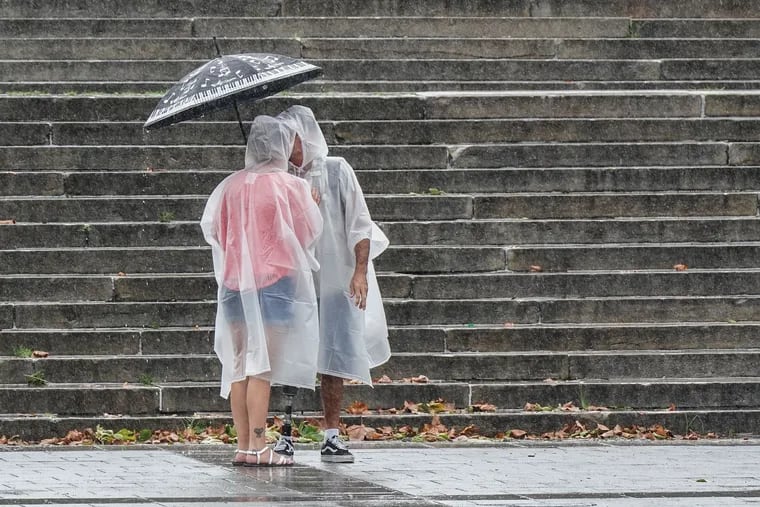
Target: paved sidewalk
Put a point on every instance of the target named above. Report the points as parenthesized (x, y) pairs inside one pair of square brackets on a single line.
[(563, 474)]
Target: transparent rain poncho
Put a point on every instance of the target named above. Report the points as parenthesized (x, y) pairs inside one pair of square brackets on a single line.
[(352, 341), (262, 224)]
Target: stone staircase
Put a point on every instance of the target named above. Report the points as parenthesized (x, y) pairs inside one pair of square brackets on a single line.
[(540, 168)]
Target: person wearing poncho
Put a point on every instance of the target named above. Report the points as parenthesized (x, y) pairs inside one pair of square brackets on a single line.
[(353, 330), (262, 224)]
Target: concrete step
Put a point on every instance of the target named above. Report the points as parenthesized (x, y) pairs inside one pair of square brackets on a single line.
[(159, 87), (138, 8), (128, 341), (103, 107), (400, 69), (111, 261), (555, 179), (550, 232), (521, 8), (695, 28), (439, 156), (407, 339), (536, 366), (371, 48), (726, 423), (371, 132), (113, 369), (183, 398), (404, 312), (579, 365), (432, 233), (375, 26), (593, 310), (701, 256), (391, 207), (407, 69), (192, 287), (569, 337)]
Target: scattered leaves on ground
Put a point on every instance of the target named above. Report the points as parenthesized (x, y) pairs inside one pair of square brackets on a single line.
[(40, 353)]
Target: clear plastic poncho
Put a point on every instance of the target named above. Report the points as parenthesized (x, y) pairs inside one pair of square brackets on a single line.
[(262, 224), (352, 341)]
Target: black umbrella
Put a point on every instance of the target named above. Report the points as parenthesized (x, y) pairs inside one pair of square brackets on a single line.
[(227, 80)]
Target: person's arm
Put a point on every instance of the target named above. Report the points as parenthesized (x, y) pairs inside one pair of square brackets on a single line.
[(358, 286)]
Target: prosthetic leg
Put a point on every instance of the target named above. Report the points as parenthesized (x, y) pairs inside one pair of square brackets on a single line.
[(284, 446)]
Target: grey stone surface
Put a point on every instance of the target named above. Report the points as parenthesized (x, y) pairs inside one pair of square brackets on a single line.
[(578, 257), (696, 28), (571, 285), (592, 154), (81, 399), (590, 337), (559, 179), (555, 473), (611, 206), (115, 369), (684, 394), (627, 231), (419, 26), (109, 261)]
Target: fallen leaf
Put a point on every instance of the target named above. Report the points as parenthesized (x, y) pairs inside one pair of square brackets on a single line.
[(410, 407), (419, 379), (535, 268), (672, 407), (40, 353), (482, 407), (121, 273), (385, 379), (569, 407), (509, 325), (357, 408), (354, 381), (680, 267), (7, 222), (515, 433), (357, 432)]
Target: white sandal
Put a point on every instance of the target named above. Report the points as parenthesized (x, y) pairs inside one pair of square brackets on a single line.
[(281, 461), (241, 462)]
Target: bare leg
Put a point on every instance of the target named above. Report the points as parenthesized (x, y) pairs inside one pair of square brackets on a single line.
[(258, 408), (240, 412), (331, 389)]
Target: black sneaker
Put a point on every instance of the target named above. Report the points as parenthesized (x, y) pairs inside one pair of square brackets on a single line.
[(284, 447), (335, 451)]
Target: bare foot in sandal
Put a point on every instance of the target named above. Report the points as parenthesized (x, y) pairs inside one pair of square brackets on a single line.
[(266, 457), (239, 458)]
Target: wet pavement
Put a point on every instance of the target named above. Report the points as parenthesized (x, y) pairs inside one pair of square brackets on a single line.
[(563, 474)]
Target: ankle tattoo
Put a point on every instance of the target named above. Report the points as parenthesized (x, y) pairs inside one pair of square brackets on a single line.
[(259, 432)]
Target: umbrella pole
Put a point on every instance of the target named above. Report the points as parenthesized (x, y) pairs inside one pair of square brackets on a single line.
[(240, 122), (234, 102), (289, 392)]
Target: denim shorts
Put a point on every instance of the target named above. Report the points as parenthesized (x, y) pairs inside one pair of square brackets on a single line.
[(275, 301)]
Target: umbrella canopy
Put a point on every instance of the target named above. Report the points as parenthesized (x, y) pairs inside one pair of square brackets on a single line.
[(226, 80)]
